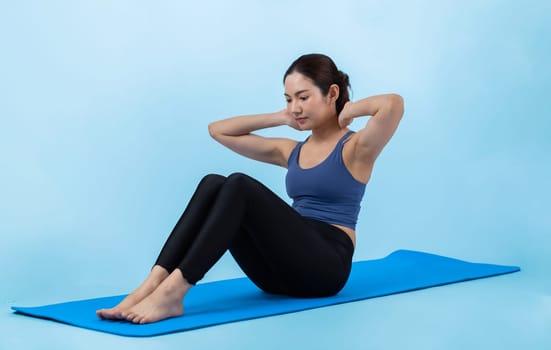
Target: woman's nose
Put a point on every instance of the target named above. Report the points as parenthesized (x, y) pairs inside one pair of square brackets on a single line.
[(295, 108)]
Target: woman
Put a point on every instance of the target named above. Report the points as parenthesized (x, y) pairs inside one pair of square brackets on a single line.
[(303, 250)]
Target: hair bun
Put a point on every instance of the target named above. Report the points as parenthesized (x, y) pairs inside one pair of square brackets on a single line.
[(344, 78)]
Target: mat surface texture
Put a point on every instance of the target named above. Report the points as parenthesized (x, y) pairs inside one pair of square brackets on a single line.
[(238, 299)]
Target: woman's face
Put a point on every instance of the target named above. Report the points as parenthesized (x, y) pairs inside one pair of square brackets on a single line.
[(306, 102)]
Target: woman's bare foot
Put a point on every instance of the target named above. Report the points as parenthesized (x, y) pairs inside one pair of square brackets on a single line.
[(165, 302), (158, 274)]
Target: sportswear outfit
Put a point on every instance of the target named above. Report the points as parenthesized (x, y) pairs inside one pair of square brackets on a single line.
[(283, 249)]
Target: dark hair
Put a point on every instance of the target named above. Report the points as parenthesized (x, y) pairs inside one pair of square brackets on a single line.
[(323, 72)]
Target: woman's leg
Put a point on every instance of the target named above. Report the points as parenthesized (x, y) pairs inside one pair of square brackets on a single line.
[(285, 253), (316, 268), (292, 251), (308, 261), (175, 247), (190, 223)]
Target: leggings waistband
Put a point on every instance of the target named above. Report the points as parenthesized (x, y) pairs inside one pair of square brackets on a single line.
[(333, 233)]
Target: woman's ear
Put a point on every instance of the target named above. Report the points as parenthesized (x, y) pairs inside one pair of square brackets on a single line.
[(333, 93)]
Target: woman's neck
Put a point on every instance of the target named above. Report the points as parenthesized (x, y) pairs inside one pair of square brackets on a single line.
[(327, 134)]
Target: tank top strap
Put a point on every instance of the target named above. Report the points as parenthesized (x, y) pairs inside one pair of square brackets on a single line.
[(337, 151), (345, 136)]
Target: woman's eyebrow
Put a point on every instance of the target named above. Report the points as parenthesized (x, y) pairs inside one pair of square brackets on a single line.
[(297, 93)]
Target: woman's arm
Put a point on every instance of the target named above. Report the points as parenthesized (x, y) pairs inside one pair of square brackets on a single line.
[(236, 134), (386, 112)]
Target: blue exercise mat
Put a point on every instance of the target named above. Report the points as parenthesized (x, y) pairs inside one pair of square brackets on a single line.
[(232, 300)]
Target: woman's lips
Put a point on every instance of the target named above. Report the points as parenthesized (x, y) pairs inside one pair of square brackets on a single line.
[(301, 120)]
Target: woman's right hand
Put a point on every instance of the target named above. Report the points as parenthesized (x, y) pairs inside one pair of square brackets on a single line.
[(236, 133), (289, 119)]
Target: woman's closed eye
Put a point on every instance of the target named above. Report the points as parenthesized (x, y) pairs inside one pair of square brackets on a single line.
[(302, 98)]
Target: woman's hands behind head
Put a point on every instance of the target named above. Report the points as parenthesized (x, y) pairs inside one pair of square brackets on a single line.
[(346, 116)]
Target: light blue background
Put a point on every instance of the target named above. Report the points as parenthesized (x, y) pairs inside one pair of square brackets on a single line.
[(104, 107)]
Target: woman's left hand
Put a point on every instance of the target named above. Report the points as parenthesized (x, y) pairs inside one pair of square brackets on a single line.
[(346, 116)]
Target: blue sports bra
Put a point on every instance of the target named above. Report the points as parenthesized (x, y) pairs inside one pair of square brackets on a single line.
[(327, 191)]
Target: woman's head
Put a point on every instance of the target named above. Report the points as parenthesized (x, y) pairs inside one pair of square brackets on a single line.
[(323, 72)]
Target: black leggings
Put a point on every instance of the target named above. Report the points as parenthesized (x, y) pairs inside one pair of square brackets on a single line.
[(281, 251)]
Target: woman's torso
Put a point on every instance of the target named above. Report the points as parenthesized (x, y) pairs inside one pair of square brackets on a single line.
[(311, 155)]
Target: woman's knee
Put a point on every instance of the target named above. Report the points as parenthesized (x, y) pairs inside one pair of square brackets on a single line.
[(212, 180), (240, 180)]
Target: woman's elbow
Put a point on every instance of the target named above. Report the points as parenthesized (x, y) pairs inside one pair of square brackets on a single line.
[(213, 130), (396, 104), (396, 100)]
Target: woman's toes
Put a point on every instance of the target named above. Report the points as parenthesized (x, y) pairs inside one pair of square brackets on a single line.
[(104, 314)]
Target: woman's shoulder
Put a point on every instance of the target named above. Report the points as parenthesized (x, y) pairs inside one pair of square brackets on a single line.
[(287, 146)]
